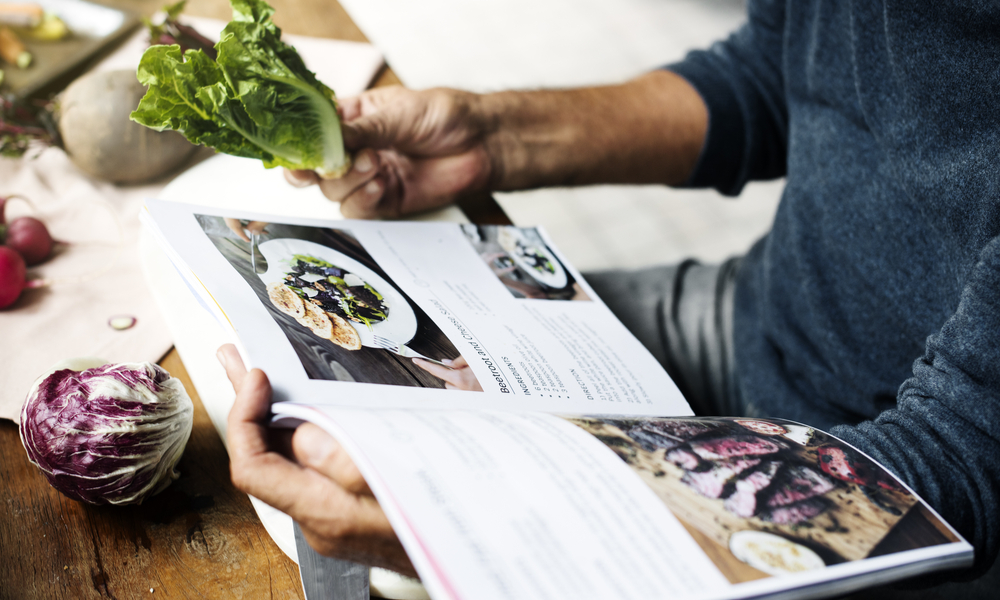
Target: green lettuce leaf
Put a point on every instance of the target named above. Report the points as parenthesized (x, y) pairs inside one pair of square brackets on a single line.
[(257, 99)]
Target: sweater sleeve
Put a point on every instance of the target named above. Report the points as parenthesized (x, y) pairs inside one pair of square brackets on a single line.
[(943, 437), (740, 79)]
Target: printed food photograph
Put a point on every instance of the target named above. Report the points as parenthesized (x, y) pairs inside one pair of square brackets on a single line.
[(768, 497), (343, 316), (523, 262)]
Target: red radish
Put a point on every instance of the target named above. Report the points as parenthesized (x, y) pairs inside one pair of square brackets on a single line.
[(26, 241), (27, 235), (12, 271), (30, 237)]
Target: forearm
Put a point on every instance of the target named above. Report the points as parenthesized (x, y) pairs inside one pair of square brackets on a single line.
[(648, 130)]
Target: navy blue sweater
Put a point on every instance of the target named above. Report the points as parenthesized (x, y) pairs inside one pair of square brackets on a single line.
[(875, 300)]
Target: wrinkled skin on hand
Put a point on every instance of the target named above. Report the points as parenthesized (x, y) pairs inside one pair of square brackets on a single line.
[(306, 475), (418, 150), (422, 154)]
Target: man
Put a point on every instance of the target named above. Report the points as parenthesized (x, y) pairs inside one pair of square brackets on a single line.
[(871, 307)]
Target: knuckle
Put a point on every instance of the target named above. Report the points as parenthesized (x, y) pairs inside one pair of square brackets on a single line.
[(378, 129), (350, 210), (327, 536), (338, 529), (355, 482), (334, 189), (323, 545)]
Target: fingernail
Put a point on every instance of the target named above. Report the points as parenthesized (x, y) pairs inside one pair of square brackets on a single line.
[(372, 188), (221, 356), (364, 163), (295, 180)]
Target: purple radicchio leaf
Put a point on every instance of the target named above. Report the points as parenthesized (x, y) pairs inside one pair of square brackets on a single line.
[(110, 434)]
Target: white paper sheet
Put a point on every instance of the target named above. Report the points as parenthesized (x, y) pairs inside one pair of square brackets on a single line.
[(501, 506)]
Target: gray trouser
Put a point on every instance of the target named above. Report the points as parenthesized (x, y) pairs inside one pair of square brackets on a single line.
[(684, 315)]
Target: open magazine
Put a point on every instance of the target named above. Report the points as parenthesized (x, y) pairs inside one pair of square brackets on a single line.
[(521, 441)]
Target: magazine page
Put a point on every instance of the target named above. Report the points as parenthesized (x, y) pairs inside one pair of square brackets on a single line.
[(403, 314), (513, 505)]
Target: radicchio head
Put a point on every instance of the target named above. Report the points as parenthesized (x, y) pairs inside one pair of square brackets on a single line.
[(108, 434)]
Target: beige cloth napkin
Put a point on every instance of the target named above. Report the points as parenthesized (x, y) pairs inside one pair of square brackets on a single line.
[(70, 318)]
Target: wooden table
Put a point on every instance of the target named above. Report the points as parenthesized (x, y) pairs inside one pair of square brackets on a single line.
[(198, 539)]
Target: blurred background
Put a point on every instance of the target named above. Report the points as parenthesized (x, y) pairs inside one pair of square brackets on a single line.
[(486, 45)]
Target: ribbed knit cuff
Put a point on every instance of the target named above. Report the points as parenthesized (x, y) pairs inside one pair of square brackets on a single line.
[(721, 157)]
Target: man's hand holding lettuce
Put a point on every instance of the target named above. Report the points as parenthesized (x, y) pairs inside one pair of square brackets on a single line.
[(256, 100)]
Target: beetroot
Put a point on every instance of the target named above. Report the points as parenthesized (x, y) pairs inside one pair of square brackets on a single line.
[(12, 272), (30, 238)]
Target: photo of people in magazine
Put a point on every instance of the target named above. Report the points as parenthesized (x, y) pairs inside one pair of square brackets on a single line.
[(522, 261), (770, 497), (345, 318)]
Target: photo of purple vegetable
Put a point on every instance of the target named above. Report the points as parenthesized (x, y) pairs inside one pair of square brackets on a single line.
[(110, 434)]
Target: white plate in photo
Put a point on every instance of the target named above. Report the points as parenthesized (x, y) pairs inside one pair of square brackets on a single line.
[(773, 554), (525, 249), (401, 323)]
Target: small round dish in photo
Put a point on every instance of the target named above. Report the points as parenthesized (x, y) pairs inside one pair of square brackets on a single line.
[(529, 252), (773, 554), (762, 427)]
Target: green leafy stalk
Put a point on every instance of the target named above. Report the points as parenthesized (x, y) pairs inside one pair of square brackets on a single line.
[(257, 99)]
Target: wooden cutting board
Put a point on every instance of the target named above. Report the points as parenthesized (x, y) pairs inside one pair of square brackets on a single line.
[(92, 28)]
